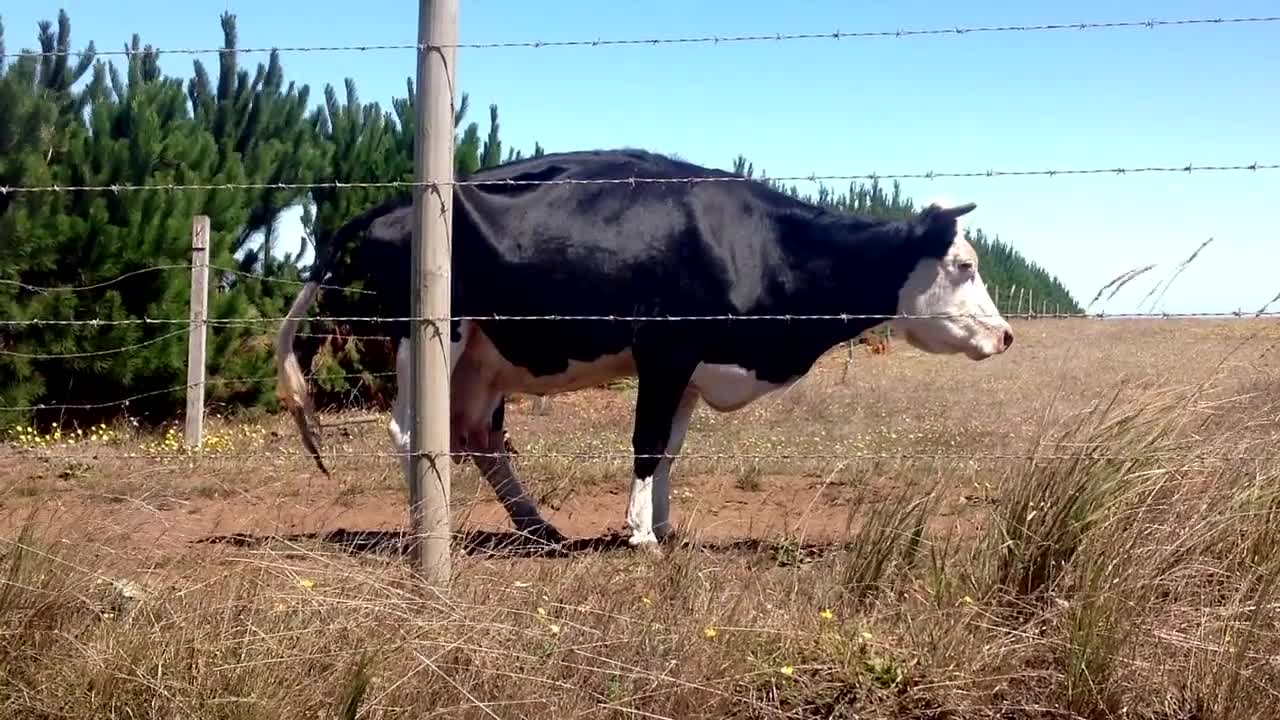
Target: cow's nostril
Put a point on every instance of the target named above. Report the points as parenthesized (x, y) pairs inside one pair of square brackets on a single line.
[(1008, 339)]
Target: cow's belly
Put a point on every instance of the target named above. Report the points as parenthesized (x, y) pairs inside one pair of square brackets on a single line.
[(501, 375), (728, 387)]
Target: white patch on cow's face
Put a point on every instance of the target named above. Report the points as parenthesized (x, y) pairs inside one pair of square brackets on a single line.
[(951, 287)]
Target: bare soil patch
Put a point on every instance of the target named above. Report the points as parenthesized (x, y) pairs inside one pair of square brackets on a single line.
[(924, 537)]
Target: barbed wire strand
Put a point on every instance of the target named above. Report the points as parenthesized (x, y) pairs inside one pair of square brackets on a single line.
[(93, 353), (1148, 23), (289, 281), (47, 289), (627, 456), (249, 321), (1031, 314), (94, 286), (215, 382), (390, 184)]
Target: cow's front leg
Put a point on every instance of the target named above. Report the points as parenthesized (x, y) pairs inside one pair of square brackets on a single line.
[(659, 396)]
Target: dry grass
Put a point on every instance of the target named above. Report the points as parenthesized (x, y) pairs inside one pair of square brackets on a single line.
[(1127, 566)]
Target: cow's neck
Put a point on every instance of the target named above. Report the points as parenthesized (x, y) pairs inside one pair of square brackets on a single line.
[(845, 265)]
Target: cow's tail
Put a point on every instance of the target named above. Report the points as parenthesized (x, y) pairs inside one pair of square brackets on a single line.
[(291, 385)]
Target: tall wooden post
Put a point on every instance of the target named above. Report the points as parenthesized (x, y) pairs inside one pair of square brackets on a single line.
[(432, 307), (197, 325)]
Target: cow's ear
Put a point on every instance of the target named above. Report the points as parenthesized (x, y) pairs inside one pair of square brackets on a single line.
[(937, 226)]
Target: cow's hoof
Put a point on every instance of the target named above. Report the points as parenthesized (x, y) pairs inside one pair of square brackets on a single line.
[(647, 543), (545, 534)]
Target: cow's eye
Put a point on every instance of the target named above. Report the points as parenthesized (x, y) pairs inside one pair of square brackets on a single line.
[(966, 266)]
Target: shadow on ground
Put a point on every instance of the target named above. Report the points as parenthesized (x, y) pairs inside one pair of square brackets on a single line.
[(515, 545)]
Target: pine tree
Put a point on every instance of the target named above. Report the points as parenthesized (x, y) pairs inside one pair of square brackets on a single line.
[(123, 128), (261, 125), (491, 154)]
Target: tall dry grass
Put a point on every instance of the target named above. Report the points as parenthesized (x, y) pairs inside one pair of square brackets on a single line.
[(1128, 568)]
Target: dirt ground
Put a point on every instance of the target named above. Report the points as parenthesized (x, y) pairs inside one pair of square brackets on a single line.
[(916, 537), (739, 477)]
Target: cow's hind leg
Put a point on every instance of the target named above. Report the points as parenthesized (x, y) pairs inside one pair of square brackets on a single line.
[(662, 475), (494, 464), (401, 426), (660, 394)]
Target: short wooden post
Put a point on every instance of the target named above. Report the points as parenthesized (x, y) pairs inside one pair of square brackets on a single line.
[(432, 282), (197, 330)]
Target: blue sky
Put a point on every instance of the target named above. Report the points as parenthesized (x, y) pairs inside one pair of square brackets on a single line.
[(1035, 100)]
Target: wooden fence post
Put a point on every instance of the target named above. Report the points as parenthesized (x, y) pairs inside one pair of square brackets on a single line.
[(432, 282), (197, 330)]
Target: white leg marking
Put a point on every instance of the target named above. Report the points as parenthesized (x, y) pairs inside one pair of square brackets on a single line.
[(662, 476), (640, 512)]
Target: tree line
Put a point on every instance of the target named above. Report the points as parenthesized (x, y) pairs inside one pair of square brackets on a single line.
[(68, 118)]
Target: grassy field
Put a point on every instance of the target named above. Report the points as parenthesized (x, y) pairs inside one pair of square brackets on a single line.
[(1086, 527)]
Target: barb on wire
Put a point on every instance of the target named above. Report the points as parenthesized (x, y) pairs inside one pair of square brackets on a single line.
[(387, 184), (94, 353), (216, 382), (1150, 24), (627, 456), (242, 321), (94, 286)]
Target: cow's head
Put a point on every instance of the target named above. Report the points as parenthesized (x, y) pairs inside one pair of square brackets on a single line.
[(947, 303)]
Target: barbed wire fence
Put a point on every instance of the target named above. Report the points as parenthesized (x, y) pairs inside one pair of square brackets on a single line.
[(1015, 303)]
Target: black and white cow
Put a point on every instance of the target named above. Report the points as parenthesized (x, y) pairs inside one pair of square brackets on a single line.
[(649, 249)]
